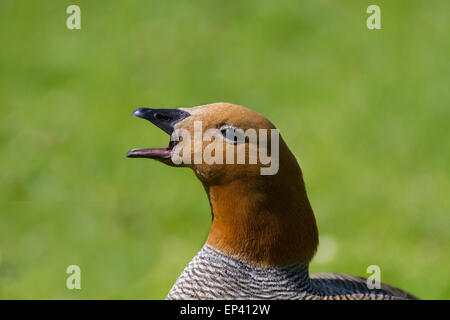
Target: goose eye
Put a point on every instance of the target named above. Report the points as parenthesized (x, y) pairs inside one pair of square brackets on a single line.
[(232, 134)]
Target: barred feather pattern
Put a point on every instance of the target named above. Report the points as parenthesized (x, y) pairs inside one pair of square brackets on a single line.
[(212, 275)]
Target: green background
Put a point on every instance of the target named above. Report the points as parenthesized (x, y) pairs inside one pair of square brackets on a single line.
[(366, 112)]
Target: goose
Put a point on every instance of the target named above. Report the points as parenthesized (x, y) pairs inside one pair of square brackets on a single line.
[(263, 233)]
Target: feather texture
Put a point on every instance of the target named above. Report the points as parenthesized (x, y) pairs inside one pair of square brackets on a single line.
[(213, 275)]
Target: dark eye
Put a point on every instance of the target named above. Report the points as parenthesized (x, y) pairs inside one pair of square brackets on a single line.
[(232, 134)]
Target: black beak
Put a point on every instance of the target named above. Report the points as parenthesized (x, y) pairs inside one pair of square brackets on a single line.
[(164, 119)]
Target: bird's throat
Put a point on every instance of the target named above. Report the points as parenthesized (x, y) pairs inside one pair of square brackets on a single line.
[(266, 221)]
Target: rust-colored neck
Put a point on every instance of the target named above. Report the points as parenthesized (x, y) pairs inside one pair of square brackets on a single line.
[(264, 220)]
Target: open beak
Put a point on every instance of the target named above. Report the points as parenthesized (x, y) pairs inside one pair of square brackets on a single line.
[(164, 119)]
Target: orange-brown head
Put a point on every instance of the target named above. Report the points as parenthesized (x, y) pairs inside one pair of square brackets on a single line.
[(262, 217)]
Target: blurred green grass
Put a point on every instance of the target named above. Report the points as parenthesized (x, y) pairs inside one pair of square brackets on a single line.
[(366, 113)]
